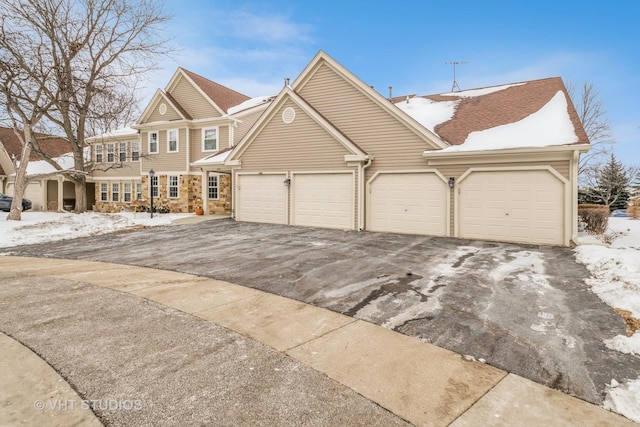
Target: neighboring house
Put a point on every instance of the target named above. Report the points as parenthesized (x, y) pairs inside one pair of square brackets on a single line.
[(498, 163), (47, 190), (184, 135)]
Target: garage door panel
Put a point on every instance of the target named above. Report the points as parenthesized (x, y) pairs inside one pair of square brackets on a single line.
[(408, 203), (323, 200), (262, 198), (519, 206)]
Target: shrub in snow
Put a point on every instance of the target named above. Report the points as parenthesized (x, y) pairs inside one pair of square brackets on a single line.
[(634, 208), (594, 217)]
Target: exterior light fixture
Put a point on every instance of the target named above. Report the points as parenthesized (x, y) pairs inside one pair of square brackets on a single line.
[(287, 182), (452, 182), (152, 174)]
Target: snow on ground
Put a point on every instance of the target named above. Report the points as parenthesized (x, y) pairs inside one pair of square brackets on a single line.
[(615, 270), (40, 227), (615, 278)]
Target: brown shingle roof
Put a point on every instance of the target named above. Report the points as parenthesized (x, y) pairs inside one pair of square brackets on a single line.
[(223, 97), (502, 107), (51, 145)]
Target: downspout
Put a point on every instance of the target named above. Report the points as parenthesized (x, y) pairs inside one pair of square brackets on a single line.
[(361, 202), (574, 198)]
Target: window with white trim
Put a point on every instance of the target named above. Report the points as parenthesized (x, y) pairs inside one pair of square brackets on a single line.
[(126, 192), (115, 191), (104, 192), (154, 186), (173, 186), (111, 153), (172, 141), (153, 142), (213, 187), (98, 150), (138, 190), (210, 139), (122, 151), (135, 151)]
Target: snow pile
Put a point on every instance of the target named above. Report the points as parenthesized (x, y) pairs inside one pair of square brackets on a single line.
[(40, 227), (615, 278), (427, 112), (479, 92), (551, 125)]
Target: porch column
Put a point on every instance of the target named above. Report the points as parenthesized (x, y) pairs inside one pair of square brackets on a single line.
[(60, 194), (205, 192)]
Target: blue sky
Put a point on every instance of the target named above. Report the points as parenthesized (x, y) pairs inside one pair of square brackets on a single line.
[(251, 46)]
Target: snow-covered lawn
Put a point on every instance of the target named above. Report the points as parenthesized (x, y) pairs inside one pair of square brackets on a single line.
[(40, 227), (615, 270), (615, 278)]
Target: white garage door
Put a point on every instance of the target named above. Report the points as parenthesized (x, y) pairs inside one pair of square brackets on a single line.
[(516, 206), (323, 200), (414, 203), (262, 198)]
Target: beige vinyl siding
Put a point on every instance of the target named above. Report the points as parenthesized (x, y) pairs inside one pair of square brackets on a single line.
[(300, 146), (247, 121), (155, 115), (196, 142), (163, 161), (392, 143), (562, 166), (128, 169), (192, 100)]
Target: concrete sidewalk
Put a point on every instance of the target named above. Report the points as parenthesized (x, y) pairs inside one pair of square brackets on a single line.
[(420, 383)]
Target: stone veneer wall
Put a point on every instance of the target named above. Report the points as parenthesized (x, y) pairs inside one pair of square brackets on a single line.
[(189, 196)]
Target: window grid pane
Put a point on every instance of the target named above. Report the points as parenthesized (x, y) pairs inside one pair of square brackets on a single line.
[(123, 151), (115, 192), (172, 137), (126, 192), (104, 189), (111, 155), (99, 154), (213, 187), (173, 186), (210, 139), (135, 151)]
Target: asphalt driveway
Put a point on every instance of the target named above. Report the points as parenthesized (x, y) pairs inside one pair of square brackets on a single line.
[(524, 309)]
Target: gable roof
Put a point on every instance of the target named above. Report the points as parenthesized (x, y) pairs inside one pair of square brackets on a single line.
[(160, 94), (222, 96), (287, 93), (323, 58), (525, 114)]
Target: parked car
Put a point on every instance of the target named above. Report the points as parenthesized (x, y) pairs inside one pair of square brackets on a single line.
[(622, 213), (5, 203)]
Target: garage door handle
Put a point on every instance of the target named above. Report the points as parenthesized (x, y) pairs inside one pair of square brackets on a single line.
[(507, 214)]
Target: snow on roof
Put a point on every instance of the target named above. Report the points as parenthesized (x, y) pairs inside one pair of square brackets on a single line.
[(214, 159), (427, 112), (550, 125), (121, 132), (479, 92), (250, 103), (39, 167)]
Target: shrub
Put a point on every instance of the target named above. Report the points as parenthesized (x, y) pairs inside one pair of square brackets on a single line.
[(594, 217), (634, 208)]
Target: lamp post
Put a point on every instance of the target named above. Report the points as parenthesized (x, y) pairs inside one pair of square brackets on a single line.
[(152, 174)]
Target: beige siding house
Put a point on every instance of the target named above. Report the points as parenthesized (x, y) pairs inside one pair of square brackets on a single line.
[(495, 163), (181, 135)]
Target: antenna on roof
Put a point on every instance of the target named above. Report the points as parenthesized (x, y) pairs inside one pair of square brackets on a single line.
[(455, 86)]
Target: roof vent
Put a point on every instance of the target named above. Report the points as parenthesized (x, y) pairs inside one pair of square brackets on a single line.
[(288, 115)]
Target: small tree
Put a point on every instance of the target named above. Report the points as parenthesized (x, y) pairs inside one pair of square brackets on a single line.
[(612, 185)]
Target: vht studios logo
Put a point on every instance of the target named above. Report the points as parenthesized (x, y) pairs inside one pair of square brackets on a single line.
[(85, 405)]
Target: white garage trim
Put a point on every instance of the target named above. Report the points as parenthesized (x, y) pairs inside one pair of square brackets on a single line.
[(445, 208), (278, 200), (566, 234), (334, 204)]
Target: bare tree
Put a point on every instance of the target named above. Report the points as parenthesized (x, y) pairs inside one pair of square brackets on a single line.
[(24, 103), (90, 56), (593, 117)]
